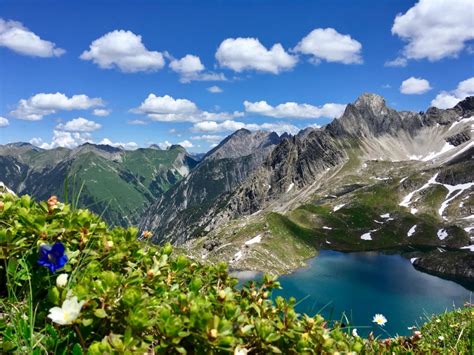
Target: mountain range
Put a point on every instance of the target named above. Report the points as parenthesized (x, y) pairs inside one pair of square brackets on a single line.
[(115, 183), (373, 179)]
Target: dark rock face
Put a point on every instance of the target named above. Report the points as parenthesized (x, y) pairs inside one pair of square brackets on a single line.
[(369, 116), (242, 143), (455, 265), (185, 209), (459, 138)]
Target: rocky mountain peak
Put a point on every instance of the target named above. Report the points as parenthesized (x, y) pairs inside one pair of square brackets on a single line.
[(466, 106), (242, 143), (373, 102)]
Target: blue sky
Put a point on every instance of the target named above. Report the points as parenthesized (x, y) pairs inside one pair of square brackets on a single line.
[(315, 55)]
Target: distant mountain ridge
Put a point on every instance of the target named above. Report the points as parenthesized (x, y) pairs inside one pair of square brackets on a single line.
[(113, 182)]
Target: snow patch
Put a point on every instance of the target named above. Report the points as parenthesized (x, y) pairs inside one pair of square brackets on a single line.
[(366, 236), (328, 228), (402, 180), (412, 260), (254, 240), (338, 207), (451, 189), (407, 199), (469, 247), (411, 231), (328, 242), (290, 187), (442, 234), (236, 257), (464, 120), (469, 229), (446, 148)]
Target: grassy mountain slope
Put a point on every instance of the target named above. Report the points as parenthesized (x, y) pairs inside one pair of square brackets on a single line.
[(116, 183)]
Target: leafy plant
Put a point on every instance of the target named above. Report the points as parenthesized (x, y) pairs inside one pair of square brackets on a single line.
[(111, 291)]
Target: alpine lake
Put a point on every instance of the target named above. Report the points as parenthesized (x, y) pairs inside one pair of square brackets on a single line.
[(353, 287)]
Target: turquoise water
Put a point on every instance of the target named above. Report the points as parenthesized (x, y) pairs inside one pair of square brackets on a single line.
[(363, 284)]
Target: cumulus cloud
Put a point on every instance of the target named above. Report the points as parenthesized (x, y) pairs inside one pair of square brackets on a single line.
[(415, 86), (164, 145), (329, 45), (125, 51), (168, 109), (137, 122), (124, 145), (190, 69), (186, 144), (226, 126), (435, 29), (210, 138), (101, 112), (63, 139), (79, 124), (294, 110), (397, 62), (448, 99), (214, 89), (240, 54), (18, 38), (40, 105), (4, 122)]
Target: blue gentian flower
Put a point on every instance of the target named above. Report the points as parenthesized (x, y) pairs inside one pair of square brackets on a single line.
[(52, 256)]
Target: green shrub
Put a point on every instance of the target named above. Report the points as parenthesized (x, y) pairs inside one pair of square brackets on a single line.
[(117, 293)]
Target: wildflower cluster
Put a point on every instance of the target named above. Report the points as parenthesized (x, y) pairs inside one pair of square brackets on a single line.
[(71, 284)]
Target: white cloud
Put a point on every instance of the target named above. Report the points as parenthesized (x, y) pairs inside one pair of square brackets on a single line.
[(39, 105), (190, 68), (415, 86), (279, 128), (101, 112), (138, 122), (123, 50), (164, 145), (186, 144), (186, 65), (214, 89), (36, 141), (294, 110), (435, 29), (63, 139), (397, 62), (3, 122), (18, 38), (167, 109), (226, 126), (328, 44), (241, 54), (124, 145), (208, 138), (79, 124), (448, 99)]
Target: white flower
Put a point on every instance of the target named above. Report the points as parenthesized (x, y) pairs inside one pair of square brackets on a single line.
[(240, 351), (68, 312), (441, 338), (379, 319), (354, 332), (61, 280)]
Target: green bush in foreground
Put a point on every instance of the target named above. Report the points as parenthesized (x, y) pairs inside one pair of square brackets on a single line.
[(116, 293)]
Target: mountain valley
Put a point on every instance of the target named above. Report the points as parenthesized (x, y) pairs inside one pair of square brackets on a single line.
[(374, 179)]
